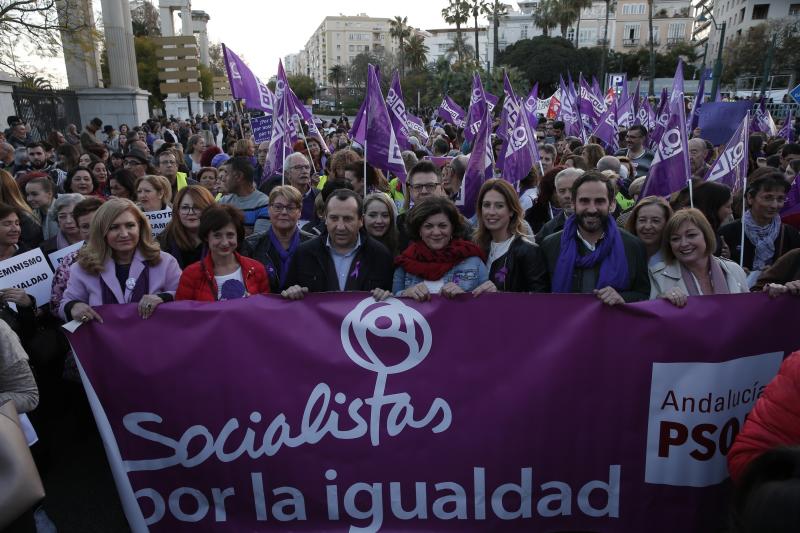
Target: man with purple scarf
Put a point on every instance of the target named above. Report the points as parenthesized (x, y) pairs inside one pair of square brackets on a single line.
[(591, 255)]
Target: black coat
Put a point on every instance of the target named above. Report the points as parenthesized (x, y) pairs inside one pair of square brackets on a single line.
[(551, 226), (525, 268), (259, 247), (312, 267), (638, 287), (788, 239)]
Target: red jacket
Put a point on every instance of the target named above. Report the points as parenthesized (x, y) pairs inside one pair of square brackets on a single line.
[(774, 420), (198, 283)]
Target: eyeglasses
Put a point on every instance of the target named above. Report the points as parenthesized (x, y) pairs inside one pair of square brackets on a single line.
[(186, 209), (427, 187), (132, 163), (300, 167), (280, 207)]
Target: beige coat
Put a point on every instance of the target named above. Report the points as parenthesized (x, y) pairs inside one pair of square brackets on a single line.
[(666, 276)]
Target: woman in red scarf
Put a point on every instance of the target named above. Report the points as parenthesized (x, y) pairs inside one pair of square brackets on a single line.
[(438, 260)]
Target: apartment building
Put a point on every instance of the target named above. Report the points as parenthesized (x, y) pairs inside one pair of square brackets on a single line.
[(440, 43)]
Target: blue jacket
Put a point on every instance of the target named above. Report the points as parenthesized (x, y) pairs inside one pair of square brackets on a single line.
[(468, 274)]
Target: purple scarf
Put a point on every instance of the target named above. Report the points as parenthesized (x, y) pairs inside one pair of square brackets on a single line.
[(610, 253), (718, 281), (141, 288), (285, 255)]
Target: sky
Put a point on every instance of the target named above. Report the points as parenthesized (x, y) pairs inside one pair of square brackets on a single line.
[(264, 31)]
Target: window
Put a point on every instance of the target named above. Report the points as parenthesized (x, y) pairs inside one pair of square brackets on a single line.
[(523, 34), (587, 36), (760, 11), (632, 31), (794, 10), (677, 30), (633, 9)]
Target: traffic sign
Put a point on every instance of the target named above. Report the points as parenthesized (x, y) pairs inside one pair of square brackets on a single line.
[(795, 93)]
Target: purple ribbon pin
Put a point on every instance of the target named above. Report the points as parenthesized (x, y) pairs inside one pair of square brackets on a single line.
[(354, 274), (456, 279), (501, 274)]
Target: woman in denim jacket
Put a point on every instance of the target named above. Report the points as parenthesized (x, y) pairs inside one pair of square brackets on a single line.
[(438, 260)]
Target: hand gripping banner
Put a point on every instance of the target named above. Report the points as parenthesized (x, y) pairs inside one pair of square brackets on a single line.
[(338, 413)]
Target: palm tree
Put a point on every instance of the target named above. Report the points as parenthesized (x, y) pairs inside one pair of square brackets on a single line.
[(478, 8), (416, 53), (459, 47), (651, 85), (456, 12), (544, 16), (565, 12), (400, 30), (336, 76), (497, 10), (579, 5), (610, 5)]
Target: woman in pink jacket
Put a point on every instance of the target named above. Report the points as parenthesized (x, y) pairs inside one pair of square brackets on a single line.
[(121, 263)]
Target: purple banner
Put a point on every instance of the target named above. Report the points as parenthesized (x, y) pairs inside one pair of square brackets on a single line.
[(344, 412), (719, 120), (245, 85)]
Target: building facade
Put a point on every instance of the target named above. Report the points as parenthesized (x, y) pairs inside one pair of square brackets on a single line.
[(441, 43), (338, 40), (291, 64)]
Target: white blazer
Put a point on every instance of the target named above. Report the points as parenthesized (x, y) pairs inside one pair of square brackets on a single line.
[(666, 276)]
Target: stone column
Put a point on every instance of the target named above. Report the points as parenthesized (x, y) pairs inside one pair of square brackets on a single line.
[(119, 44), (186, 20), (80, 52), (167, 23), (199, 23)]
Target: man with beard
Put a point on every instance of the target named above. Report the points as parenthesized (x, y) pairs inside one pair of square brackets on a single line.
[(38, 161), (591, 255)]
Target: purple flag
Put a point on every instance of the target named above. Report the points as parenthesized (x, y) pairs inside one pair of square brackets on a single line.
[(569, 113), (280, 143), (698, 102), (662, 116), (380, 143), (606, 131), (358, 130), (491, 101), (787, 131), (416, 127), (625, 116), (591, 107), (245, 85), (670, 169), (508, 119), (731, 165), (299, 113), (477, 109), (531, 104), (451, 112), (762, 120), (520, 151), (397, 111), (479, 168), (792, 202), (646, 117), (598, 92)]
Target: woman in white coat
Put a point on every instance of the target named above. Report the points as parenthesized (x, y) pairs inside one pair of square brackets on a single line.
[(689, 267)]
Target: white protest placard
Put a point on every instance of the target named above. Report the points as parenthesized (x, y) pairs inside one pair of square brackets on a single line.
[(158, 220), (59, 255), (29, 271)]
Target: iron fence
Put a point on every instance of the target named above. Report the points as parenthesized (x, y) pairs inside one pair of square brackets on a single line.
[(46, 110)]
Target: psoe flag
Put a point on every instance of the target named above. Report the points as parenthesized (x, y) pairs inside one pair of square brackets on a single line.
[(730, 167)]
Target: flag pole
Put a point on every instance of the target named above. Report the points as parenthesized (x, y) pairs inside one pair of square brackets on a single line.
[(744, 205), (691, 193), (365, 167), (283, 163), (240, 114), (308, 150)]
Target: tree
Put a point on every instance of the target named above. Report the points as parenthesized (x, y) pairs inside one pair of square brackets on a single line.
[(545, 16), (207, 82), (400, 30), (460, 49), (216, 60), (303, 86), (744, 54), (416, 53), (457, 12), (651, 86), (145, 20), (476, 9), (498, 10), (578, 6), (610, 5), (337, 75), (39, 25)]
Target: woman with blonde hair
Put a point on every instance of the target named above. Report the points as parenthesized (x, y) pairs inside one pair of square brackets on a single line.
[(180, 238), (153, 193), (647, 221), (689, 267), (514, 262), (120, 263), (195, 147), (11, 195)]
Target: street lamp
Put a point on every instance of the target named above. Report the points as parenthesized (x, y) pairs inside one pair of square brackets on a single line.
[(718, 65)]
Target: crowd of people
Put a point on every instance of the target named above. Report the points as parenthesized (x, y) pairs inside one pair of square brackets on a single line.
[(331, 222)]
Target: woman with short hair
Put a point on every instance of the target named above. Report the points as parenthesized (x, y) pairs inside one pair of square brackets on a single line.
[(123, 184), (61, 213), (223, 274), (121, 263), (181, 238), (153, 193), (689, 267), (439, 260), (80, 180), (515, 263), (209, 178)]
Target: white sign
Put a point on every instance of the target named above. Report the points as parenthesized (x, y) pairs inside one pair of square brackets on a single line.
[(59, 255), (696, 410), (29, 271), (158, 220)]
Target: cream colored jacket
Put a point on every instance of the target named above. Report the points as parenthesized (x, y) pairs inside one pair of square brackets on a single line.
[(666, 276)]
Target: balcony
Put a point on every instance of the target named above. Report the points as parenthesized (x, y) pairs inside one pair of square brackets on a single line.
[(602, 42), (630, 43), (674, 41)]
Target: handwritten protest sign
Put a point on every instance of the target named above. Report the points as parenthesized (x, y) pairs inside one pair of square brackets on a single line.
[(29, 271), (159, 220), (389, 418), (57, 256), (262, 128)]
